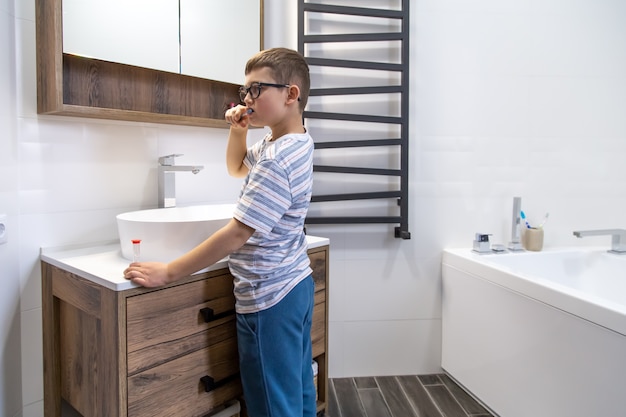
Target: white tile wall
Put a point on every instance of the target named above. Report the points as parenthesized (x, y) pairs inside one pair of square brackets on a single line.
[(508, 98), (10, 318)]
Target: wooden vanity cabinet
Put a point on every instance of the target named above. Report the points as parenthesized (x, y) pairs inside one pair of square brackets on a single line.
[(170, 351)]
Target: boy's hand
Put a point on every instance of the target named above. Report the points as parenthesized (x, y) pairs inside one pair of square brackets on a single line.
[(238, 116), (147, 274)]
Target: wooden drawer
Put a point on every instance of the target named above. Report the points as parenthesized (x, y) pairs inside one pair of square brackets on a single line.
[(168, 323), (175, 388)]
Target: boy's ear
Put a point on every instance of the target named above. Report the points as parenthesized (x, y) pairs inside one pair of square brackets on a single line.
[(294, 93)]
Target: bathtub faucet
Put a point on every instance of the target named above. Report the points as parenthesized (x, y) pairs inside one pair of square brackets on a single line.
[(167, 182), (618, 238)]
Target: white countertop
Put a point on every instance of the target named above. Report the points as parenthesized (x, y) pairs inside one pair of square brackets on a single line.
[(103, 264)]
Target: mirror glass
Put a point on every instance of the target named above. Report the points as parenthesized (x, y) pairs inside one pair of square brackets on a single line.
[(218, 37), (203, 38)]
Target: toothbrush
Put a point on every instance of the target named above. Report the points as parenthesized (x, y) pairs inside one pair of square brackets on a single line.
[(246, 113), (545, 219), (524, 218)]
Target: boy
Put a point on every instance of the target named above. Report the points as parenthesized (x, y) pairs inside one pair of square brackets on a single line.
[(265, 240)]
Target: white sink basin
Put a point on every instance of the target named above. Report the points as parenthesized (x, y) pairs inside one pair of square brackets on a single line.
[(167, 233)]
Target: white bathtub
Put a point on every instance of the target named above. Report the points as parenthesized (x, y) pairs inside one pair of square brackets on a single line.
[(537, 333)]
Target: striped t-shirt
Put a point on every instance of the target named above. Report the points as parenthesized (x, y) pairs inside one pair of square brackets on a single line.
[(274, 200)]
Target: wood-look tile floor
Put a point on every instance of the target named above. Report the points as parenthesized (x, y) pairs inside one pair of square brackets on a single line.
[(401, 396)]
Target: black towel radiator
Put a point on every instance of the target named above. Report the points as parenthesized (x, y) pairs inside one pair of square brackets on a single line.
[(402, 89)]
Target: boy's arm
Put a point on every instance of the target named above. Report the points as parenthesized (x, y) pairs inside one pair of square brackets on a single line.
[(219, 245), (237, 145), (236, 151)]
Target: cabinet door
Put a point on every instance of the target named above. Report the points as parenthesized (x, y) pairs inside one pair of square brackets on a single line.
[(318, 329), (319, 267)]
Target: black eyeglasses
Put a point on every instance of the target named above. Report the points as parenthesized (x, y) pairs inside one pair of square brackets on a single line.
[(255, 89)]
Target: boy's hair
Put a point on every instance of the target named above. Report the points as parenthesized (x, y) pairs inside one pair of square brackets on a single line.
[(287, 67)]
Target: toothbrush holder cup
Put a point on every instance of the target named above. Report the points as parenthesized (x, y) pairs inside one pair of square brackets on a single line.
[(532, 239)]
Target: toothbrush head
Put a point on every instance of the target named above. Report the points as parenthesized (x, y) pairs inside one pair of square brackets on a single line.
[(523, 216), (248, 112)]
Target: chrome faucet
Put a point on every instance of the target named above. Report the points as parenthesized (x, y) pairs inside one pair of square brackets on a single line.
[(618, 238), (167, 180)]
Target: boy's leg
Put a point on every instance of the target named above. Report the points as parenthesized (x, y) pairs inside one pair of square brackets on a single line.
[(275, 356)]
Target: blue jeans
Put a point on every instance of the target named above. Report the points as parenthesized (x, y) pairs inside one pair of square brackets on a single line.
[(275, 356)]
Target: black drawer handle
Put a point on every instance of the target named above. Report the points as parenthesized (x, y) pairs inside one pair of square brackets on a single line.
[(211, 384), (209, 315)]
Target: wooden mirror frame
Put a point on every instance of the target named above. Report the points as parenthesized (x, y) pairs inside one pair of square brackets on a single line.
[(71, 85)]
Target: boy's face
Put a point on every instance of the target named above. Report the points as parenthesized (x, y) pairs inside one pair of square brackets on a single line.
[(272, 103)]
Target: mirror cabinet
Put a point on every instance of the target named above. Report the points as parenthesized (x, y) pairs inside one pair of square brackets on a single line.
[(81, 86)]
